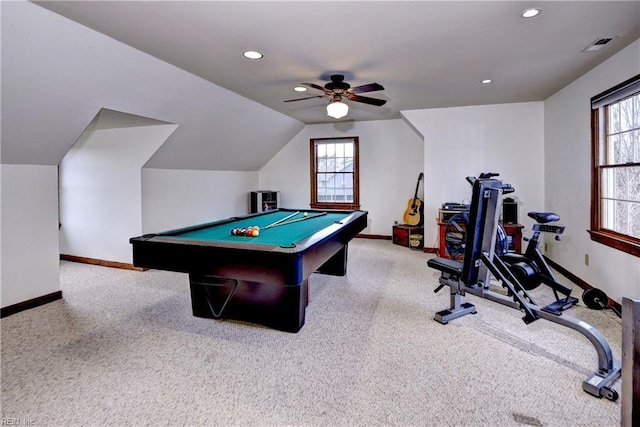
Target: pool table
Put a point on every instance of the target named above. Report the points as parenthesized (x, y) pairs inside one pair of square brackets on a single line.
[(262, 279)]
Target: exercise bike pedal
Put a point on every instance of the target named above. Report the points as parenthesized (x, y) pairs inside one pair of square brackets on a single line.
[(556, 308)]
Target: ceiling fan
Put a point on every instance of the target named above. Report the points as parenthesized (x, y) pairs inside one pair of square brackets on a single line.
[(336, 89)]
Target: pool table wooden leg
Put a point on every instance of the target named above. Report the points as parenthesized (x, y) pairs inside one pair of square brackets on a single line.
[(276, 306), (336, 265)]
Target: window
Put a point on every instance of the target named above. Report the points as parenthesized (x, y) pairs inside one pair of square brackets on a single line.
[(615, 204), (334, 173)]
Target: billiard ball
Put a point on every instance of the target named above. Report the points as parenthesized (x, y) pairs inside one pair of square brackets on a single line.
[(305, 214)]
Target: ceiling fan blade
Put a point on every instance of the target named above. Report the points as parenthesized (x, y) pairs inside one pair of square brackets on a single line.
[(366, 100), (371, 87), (313, 85), (302, 99)]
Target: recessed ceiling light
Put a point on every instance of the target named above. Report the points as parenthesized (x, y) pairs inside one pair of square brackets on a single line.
[(485, 81), (253, 54), (300, 89), (532, 12)]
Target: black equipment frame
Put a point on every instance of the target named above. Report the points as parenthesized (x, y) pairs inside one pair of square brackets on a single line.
[(480, 264)]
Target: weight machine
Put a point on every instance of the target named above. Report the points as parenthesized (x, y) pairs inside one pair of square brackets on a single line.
[(480, 265), (531, 268)]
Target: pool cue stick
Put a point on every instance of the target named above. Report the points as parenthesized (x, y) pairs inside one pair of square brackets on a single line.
[(299, 219), (281, 220)]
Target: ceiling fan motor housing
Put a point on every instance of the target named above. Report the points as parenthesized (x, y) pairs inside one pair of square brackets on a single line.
[(337, 82)]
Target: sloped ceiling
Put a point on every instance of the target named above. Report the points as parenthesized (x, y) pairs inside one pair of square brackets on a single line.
[(57, 75), (427, 54), (180, 62)]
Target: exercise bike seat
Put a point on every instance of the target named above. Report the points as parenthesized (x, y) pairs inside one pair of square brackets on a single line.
[(544, 217)]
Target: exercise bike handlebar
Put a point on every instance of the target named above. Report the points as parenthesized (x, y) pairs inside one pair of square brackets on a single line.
[(484, 175), (487, 175), (506, 188)]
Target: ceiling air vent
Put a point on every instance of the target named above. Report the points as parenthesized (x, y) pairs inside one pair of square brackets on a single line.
[(599, 44)]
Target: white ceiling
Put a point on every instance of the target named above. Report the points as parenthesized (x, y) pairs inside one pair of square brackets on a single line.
[(427, 54)]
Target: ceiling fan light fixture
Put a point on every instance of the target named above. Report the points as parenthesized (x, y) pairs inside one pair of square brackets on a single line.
[(337, 90), (337, 109), (300, 89)]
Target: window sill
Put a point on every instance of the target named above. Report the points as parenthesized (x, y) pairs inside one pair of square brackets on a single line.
[(338, 206), (617, 241)]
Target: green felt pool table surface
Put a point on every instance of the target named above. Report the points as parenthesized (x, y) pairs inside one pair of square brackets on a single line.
[(282, 235)]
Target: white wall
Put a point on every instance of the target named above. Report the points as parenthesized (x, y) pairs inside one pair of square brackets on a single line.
[(101, 185), (178, 198), (29, 239), (57, 75), (465, 141), (391, 156), (568, 178)]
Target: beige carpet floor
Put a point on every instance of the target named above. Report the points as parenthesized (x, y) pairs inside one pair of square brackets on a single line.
[(122, 348)]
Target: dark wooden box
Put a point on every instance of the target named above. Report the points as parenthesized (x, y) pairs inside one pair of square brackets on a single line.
[(402, 233)]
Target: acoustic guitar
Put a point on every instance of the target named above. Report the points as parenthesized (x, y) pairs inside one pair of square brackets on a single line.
[(413, 214)]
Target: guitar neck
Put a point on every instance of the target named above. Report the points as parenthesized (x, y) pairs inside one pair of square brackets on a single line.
[(415, 196)]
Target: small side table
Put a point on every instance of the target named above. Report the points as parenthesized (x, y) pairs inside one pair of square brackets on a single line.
[(408, 236)]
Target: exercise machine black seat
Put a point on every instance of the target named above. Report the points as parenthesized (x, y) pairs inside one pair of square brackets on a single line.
[(446, 265), (544, 217)]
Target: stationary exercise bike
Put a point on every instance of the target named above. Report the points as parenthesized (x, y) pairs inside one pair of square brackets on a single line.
[(532, 269)]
